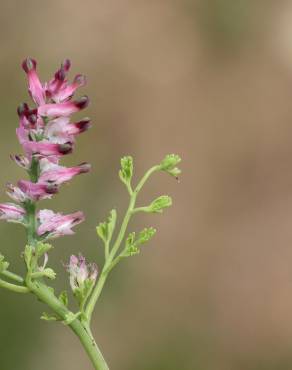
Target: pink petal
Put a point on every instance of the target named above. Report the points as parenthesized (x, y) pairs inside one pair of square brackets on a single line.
[(59, 79), (16, 193), (11, 212), (46, 148), (63, 109), (57, 224), (59, 174), (34, 85), (37, 191), (66, 91)]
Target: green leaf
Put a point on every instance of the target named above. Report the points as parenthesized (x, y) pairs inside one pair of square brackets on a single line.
[(63, 298), (169, 164), (133, 244), (126, 171), (105, 229), (157, 206)]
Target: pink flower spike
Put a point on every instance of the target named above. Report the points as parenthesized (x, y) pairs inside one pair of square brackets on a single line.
[(63, 109), (37, 191), (34, 85), (56, 224), (11, 212)]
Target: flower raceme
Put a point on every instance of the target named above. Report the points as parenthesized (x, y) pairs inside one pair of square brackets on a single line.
[(46, 134)]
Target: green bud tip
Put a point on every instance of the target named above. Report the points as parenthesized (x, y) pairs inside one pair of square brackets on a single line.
[(160, 203)]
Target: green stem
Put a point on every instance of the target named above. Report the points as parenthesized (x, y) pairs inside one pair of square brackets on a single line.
[(12, 276), (44, 293), (108, 264), (13, 287), (80, 329)]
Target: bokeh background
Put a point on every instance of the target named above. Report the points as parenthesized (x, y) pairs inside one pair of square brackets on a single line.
[(212, 81)]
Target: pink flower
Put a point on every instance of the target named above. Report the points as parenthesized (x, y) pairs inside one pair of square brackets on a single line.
[(58, 81), (11, 212), (46, 148), (63, 109), (80, 272), (37, 191), (62, 128), (54, 174), (16, 193), (53, 225), (67, 90), (34, 85)]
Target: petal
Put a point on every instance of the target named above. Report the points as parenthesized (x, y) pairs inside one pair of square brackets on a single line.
[(16, 193), (66, 91), (46, 148), (34, 85), (63, 109), (21, 161), (59, 79), (37, 191), (11, 212), (59, 174), (78, 127), (56, 224)]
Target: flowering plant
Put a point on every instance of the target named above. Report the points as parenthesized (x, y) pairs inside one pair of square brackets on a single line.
[(46, 135)]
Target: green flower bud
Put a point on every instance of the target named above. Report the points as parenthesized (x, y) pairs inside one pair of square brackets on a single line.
[(169, 164), (126, 171), (157, 206)]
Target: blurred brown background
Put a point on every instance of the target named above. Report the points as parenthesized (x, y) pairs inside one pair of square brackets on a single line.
[(210, 80)]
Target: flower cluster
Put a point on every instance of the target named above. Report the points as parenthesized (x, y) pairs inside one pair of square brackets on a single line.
[(80, 271), (46, 134), (82, 278)]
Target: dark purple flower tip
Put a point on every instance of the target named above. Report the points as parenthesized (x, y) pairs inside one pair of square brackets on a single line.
[(84, 124), (84, 167), (29, 64), (32, 117), (65, 148), (82, 102), (22, 109), (60, 75), (20, 160), (66, 65), (80, 80), (52, 189)]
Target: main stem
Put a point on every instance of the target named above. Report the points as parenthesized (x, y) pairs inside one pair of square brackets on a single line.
[(43, 292)]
